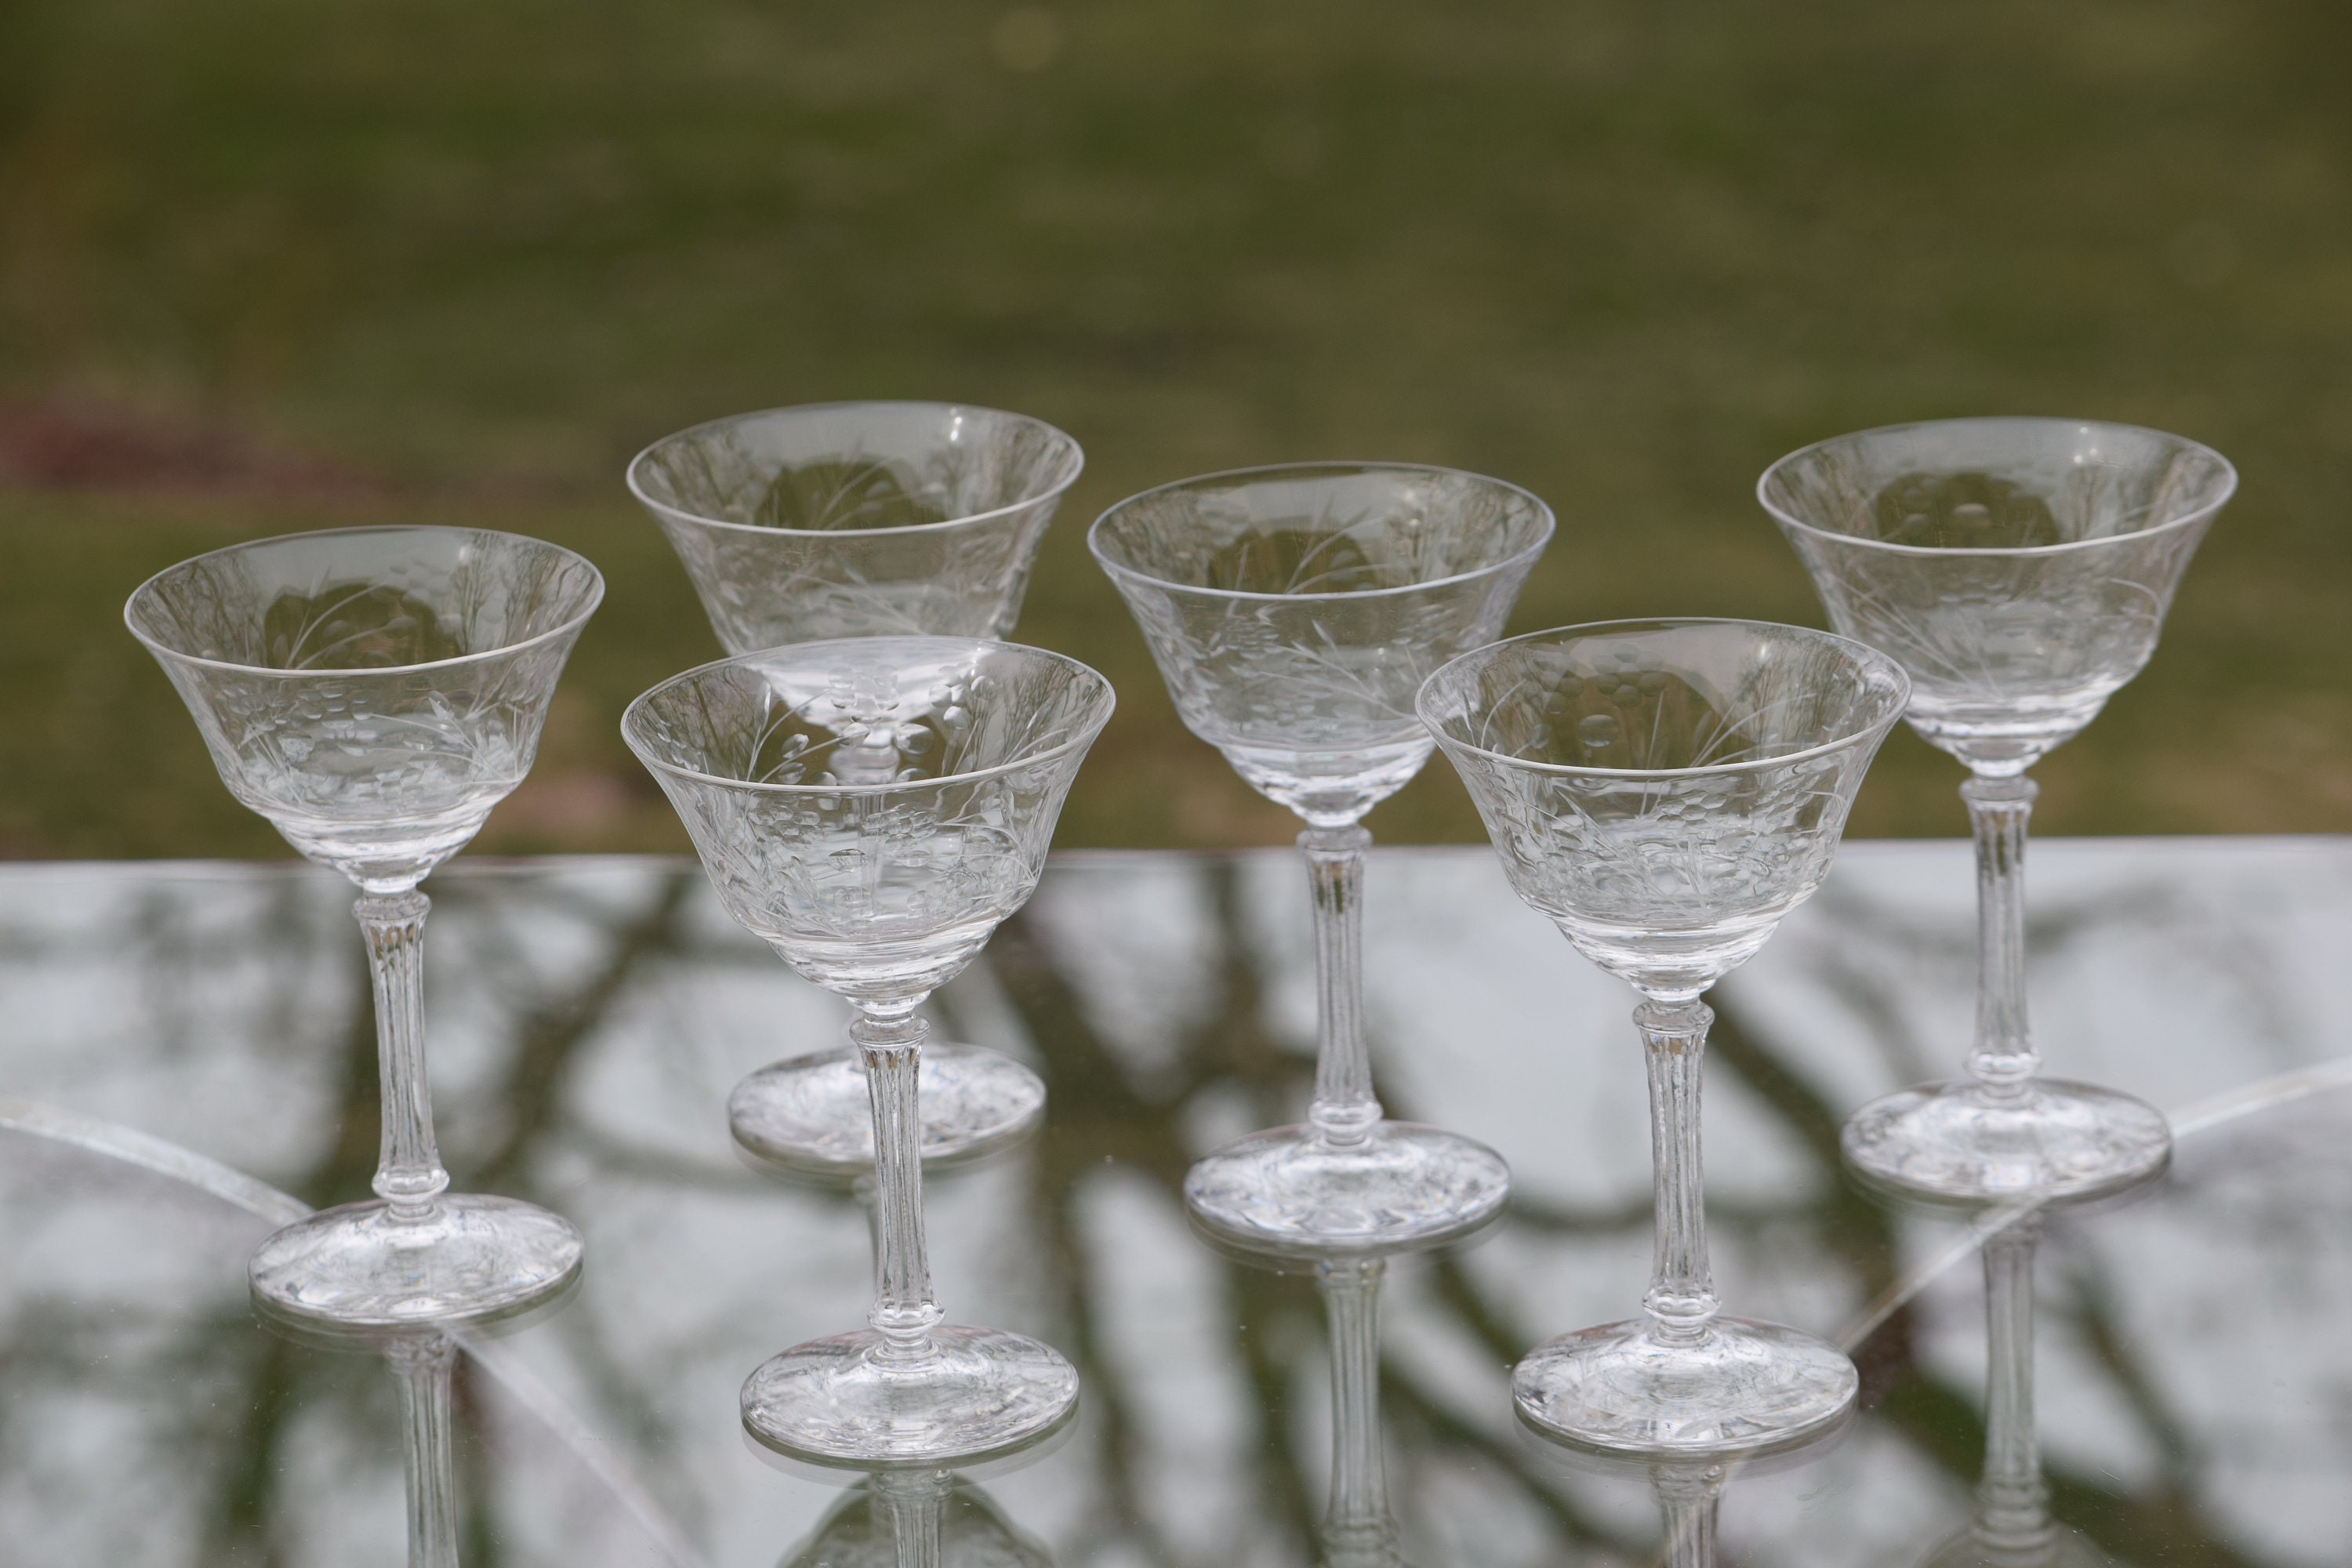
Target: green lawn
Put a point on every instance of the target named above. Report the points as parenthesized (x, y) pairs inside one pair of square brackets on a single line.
[(472, 256)]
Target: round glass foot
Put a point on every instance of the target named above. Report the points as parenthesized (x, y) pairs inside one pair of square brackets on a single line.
[(1743, 1385), (475, 1259), (2060, 1141), (1290, 1193), (838, 1401), (810, 1113)]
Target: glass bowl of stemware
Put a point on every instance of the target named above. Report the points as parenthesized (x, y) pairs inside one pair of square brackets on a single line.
[(374, 692), (1666, 792), (2020, 569), (1293, 612), (861, 520)]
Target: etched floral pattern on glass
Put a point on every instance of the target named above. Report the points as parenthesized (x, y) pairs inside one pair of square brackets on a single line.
[(858, 519), (2019, 569), (372, 699), (1295, 611), (1667, 798)]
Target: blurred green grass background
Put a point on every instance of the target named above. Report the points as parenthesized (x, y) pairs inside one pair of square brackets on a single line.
[(267, 266)]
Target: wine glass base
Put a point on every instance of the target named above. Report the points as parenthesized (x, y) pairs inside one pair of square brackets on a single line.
[(477, 1258), (1743, 1387), (811, 1114), (1289, 1192), (2060, 1548), (836, 1401), (2058, 1142)]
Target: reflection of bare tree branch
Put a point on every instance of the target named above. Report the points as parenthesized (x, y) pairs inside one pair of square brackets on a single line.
[(546, 1037), (1092, 1117), (2092, 1312), (1447, 1436), (1102, 1115)]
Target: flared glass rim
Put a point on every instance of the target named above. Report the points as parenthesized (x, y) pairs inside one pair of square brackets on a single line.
[(1867, 654), (1079, 742), (1788, 519), (1118, 569), (570, 626), (1075, 466)]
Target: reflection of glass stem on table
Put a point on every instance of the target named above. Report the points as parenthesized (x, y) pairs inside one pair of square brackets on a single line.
[(916, 1504), (2012, 1527), (1357, 1530), (1690, 1499), (424, 1364)]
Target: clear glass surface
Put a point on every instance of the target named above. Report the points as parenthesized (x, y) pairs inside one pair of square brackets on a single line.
[(1293, 612), (873, 808), (859, 519), (2188, 1344), (1667, 791), (374, 692), (2020, 569)]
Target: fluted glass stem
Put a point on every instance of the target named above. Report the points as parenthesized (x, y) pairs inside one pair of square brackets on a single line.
[(2013, 1503), (1356, 1524), (2004, 1059), (409, 1174), (424, 1364), (889, 1040), (916, 1502), (1344, 1110), (1681, 1299), (1690, 1504)]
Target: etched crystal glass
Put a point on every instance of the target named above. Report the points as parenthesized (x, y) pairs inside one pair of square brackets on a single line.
[(861, 520), (847, 520), (1666, 790), (1293, 612), (374, 692), (873, 808), (2020, 569)]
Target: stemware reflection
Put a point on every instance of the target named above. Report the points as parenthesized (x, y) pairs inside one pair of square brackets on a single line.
[(917, 1519), (1687, 1489), (2012, 1527), (1358, 1529), (863, 520), (1293, 612)]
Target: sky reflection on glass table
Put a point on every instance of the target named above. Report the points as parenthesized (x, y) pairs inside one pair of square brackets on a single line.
[(588, 1016)]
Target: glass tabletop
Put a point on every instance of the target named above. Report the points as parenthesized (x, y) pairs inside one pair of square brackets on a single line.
[(187, 1060)]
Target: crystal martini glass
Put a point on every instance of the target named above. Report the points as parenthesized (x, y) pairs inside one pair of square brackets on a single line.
[(873, 808), (1293, 612), (374, 692), (2020, 569), (860, 520), (1666, 790)]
